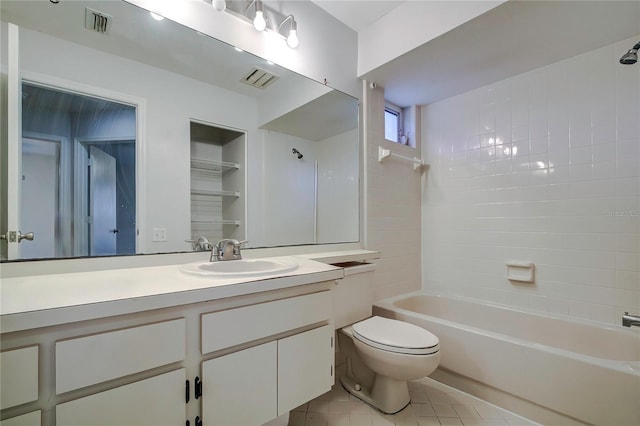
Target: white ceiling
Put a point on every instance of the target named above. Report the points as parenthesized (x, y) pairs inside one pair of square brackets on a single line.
[(358, 14), (513, 38)]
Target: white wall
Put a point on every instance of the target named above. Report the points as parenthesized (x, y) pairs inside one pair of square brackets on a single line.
[(338, 188), (392, 222), (544, 167), (410, 25), (287, 215)]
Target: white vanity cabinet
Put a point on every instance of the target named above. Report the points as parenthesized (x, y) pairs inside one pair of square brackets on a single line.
[(305, 367), (97, 358), (270, 377), (254, 357), (240, 388), (155, 401), (19, 378), (94, 359), (258, 384), (19, 383), (33, 418)]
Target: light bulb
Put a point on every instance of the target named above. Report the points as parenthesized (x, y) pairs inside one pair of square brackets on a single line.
[(156, 16), (259, 22), (292, 40), (220, 5)]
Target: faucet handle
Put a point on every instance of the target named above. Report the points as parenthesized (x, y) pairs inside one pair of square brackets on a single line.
[(236, 248)]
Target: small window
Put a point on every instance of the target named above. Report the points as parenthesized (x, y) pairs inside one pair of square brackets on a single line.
[(391, 124)]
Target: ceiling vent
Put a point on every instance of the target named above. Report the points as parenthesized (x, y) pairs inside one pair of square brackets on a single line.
[(97, 21), (259, 78)]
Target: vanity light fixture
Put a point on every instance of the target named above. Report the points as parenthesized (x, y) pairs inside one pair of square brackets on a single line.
[(262, 17), (219, 5), (292, 38), (259, 23)]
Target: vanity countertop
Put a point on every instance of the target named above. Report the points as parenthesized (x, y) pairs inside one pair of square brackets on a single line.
[(45, 300)]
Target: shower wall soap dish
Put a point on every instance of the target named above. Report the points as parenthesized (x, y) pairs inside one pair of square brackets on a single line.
[(521, 271)]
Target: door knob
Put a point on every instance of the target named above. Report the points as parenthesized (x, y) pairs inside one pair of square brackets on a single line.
[(28, 236), (17, 236)]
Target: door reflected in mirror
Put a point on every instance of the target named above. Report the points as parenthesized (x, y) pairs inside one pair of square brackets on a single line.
[(78, 191)]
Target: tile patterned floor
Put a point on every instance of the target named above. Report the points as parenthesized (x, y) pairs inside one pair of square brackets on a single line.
[(432, 404)]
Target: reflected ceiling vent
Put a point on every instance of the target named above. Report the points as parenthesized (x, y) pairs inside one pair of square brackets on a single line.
[(97, 21), (259, 78)]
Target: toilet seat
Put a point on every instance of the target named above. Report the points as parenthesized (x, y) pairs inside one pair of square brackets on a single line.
[(395, 336)]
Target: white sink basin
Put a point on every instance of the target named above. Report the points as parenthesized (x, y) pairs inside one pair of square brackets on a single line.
[(240, 268)]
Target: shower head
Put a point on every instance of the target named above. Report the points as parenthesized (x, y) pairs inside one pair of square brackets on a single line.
[(631, 57), (298, 153)]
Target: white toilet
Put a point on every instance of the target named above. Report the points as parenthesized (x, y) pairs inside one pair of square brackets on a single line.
[(381, 354)]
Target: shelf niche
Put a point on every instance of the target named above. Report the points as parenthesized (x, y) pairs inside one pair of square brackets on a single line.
[(217, 182)]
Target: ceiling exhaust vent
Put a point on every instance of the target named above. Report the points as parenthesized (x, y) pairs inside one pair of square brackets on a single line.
[(97, 21), (259, 78)]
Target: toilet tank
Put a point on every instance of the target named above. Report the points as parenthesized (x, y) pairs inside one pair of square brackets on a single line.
[(353, 295)]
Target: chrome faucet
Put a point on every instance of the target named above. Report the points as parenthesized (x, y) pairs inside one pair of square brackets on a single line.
[(201, 244), (629, 320), (227, 249)]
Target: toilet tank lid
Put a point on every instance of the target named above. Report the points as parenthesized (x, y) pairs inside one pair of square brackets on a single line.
[(395, 333)]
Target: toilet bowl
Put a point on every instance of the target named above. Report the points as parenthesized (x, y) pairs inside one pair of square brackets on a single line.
[(382, 355)]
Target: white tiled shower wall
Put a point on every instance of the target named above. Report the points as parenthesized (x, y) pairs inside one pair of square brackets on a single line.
[(542, 167)]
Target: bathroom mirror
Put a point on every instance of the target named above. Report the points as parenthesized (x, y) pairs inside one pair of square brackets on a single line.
[(139, 135)]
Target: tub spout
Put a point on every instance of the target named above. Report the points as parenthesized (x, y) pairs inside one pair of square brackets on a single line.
[(629, 320)]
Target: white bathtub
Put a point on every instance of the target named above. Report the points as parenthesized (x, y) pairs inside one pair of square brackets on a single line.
[(550, 368)]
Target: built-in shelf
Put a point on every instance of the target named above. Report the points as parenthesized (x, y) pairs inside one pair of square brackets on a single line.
[(217, 187), (215, 221), (199, 164), (215, 193)]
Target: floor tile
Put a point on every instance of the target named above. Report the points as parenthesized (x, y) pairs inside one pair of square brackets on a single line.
[(319, 406), (297, 418), (428, 421), (316, 419), (466, 411), (340, 406), (423, 410), (488, 411), (359, 419), (302, 408), (432, 404), (450, 421)]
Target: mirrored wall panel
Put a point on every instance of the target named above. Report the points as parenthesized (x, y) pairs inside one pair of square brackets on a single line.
[(140, 135)]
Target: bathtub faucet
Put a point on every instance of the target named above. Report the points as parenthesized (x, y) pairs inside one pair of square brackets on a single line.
[(629, 320)]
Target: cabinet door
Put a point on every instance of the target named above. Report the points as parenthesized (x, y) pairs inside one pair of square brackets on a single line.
[(155, 401), (305, 367), (19, 378), (30, 419), (240, 388), (97, 358)]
